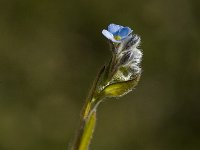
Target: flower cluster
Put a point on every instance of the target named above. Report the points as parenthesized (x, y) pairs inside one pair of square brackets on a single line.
[(122, 73), (126, 53)]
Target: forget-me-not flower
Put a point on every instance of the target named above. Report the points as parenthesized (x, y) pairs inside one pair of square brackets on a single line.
[(117, 33), (116, 78), (126, 54)]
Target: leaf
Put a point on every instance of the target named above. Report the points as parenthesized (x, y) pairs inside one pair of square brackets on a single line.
[(120, 88), (87, 106)]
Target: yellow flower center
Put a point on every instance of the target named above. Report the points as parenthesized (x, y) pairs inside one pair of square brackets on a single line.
[(117, 37)]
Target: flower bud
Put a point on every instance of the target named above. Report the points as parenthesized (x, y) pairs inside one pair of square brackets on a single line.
[(126, 57), (135, 69), (137, 56)]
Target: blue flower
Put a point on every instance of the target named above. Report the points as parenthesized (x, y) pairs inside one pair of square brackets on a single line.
[(117, 33)]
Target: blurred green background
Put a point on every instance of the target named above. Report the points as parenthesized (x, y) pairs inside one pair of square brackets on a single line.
[(50, 52)]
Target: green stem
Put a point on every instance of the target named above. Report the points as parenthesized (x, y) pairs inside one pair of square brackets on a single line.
[(87, 125), (88, 131), (88, 118)]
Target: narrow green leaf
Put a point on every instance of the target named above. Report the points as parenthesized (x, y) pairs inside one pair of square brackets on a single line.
[(120, 88), (88, 104)]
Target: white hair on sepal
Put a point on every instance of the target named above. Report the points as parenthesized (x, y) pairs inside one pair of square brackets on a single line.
[(133, 42), (135, 69), (137, 56)]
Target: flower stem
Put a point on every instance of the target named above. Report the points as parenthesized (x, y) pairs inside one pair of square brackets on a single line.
[(88, 131), (88, 118), (87, 125)]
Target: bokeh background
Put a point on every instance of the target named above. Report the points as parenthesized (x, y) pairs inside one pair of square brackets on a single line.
[(50, 52)]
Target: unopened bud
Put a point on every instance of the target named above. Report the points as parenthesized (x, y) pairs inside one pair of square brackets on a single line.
[(134, 41), (135, 69), (126, 57), (137, 56)]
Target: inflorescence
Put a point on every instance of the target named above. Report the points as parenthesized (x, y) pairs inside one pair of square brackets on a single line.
[(126, 55)]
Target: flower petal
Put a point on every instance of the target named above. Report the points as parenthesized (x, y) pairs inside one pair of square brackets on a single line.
[(124, 32), (109, 36), (113, 28)]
